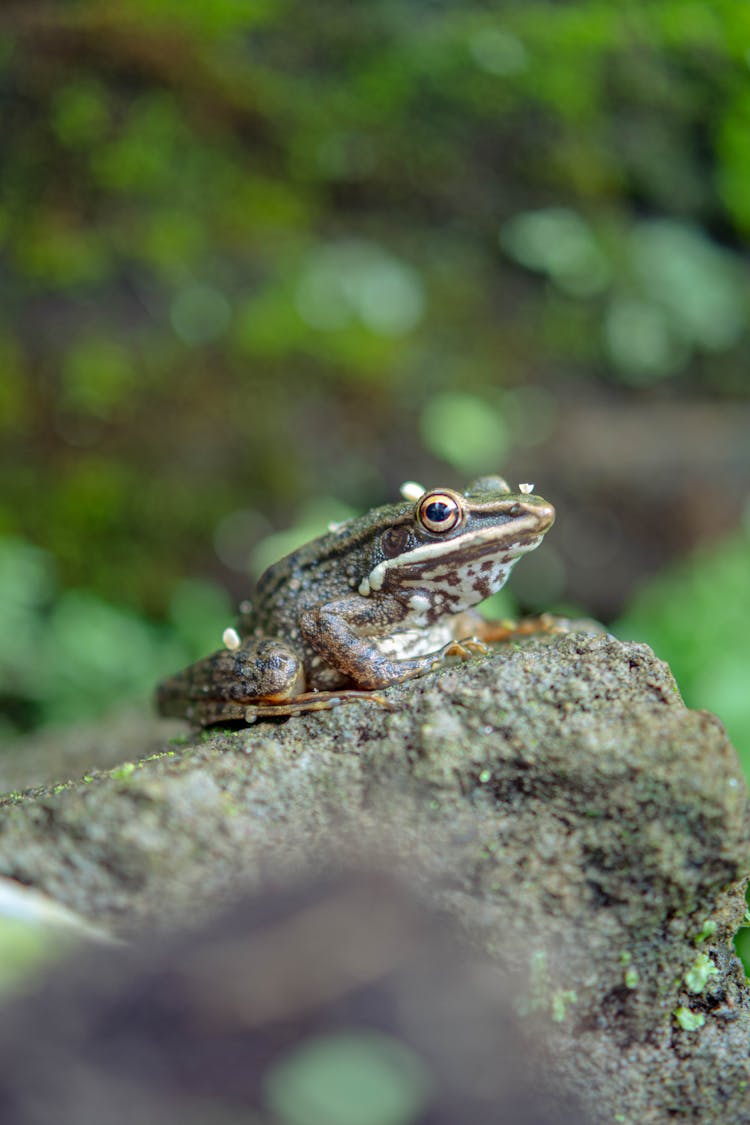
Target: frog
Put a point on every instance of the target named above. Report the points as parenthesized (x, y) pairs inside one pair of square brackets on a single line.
[(377, 600)]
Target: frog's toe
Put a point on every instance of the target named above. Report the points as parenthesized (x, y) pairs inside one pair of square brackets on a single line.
[(465, 648), (312, 701)]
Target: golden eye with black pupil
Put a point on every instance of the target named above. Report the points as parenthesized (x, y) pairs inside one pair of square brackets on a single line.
[(439, 512)]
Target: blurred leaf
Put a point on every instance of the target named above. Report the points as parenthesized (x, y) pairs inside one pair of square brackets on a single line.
[(15, 403), (359, 1078), (57, 251), (27, 587), (247, 254), (200, 611), (697, 618), (81, 114), (172, 240), (216, 18), (25, 949), (143, 157), (465, 431), (558, 242), (357, 279), (641, 339), (73, 655), (498, 51), (734, 150), (699, 284), (313, 520), (200, 313), (98, 376)]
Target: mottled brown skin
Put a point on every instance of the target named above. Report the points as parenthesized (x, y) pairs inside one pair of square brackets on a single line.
[(374, 602)]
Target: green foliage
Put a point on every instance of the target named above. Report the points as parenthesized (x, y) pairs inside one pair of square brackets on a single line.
[(678, 292), (355, 1078), (697, 617), (464, 431), (67, 654), (27, 946), (217, 214), (251, 259)]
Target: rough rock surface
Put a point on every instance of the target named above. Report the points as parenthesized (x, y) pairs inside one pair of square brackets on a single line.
[(336, 1002), (557, 797)]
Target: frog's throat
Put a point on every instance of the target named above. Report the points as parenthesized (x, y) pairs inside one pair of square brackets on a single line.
[(523, 539)]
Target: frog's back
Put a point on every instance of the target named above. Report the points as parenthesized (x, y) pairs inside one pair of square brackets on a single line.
[(320, 571)]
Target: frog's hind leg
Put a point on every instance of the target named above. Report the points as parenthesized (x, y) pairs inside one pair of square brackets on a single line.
[(472, 631), (312, 701), (258, 678), (220, 687)]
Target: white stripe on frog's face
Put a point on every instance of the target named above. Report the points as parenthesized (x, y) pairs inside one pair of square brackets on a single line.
[(444, 586), (443, 590), (487, 542)]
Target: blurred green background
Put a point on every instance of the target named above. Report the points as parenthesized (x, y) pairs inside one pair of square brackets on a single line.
[(263, 261)]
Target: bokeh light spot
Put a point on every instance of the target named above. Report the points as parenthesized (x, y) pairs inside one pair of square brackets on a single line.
[(699, 283), (641, 341), (237, 534), (313, 520), (363, 1078), (558, 242), (199, 314), (360, 281), (498, 51), (80, 114), (466, 431)]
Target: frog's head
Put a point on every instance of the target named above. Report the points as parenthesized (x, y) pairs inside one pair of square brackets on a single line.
[(452, 550)]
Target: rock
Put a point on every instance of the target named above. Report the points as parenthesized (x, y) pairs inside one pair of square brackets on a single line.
[(36, 931), (335, 1003), (583, 826)]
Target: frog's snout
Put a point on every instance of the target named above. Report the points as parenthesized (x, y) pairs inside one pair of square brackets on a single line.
[(545, 514), (541, 512)]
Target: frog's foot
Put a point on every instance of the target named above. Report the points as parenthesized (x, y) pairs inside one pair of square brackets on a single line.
[(465, 648), (218, 688), (492, 632), (214, 712), (311, 701)]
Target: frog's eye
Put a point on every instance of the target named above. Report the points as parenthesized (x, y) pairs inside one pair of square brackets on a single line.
[(439, 512)]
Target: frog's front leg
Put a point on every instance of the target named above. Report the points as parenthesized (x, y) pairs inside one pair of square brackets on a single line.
[(220, 687), (345, 633)]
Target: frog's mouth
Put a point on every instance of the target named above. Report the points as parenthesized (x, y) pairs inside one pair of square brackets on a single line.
[(480, 558)]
